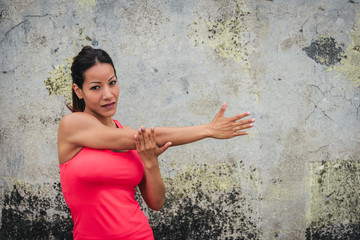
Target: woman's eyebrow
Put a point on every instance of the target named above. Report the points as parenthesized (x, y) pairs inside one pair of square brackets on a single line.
[(100, 82), (111, 77)]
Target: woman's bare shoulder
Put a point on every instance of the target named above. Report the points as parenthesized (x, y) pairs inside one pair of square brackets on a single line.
[(77, 120), (76, 116), (67, 131)]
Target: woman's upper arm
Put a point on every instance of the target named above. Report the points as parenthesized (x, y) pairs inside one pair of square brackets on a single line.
[(84, 130), (128, 128)]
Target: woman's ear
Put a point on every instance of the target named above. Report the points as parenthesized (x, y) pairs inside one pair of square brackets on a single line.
[(78, 91)]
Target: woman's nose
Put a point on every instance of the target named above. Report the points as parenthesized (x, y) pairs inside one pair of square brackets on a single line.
[(106, 93)]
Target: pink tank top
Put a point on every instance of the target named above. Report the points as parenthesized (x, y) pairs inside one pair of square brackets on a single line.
[(99, 188)]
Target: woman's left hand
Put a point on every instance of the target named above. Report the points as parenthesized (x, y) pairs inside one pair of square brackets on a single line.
[(152, 187), (146, 145)]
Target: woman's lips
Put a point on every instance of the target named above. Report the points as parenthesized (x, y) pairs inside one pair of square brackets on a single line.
[(108, 106)]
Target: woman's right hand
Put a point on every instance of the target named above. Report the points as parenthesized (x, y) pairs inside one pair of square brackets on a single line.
[(228, 127)]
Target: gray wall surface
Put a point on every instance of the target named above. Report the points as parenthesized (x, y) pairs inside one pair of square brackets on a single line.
[(293, 64)]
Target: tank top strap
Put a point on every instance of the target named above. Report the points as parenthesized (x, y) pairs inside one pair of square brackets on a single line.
[(118, 124)]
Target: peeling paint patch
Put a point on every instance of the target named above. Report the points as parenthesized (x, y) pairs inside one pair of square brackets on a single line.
[(228, 37), (32, 211), (59, 82), (210, 202), (87, 4), (252, 133), (12, 159), (334, 211), (297, 39), (349, 64), (324, 50)]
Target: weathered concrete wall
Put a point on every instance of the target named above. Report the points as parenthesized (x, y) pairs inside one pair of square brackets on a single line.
[(293, 64)]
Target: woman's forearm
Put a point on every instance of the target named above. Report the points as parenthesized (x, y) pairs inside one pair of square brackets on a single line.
[(220, 128), (181, 135), (152, 188)]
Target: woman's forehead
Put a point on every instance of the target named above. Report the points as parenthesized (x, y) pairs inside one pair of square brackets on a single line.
[(100, 71)]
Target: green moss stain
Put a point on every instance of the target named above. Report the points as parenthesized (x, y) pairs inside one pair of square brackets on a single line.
[(84, 38), (324, 50), (86, 4), (214, 177), (59, 81), (34, 211), (335, 197), (210, 202), (350, 64), (228, 37), (335, 191)]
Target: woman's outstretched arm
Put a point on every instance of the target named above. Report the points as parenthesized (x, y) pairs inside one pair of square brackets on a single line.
[(220, 128), (79, 129)]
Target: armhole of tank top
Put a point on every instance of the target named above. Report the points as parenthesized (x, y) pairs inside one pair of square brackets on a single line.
[(82, 148), (118, 124)]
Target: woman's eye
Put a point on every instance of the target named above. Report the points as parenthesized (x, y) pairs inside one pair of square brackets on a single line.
[(94, 87), (113, 82)]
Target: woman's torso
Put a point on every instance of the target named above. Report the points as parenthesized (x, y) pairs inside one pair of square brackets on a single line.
[(99, 188)]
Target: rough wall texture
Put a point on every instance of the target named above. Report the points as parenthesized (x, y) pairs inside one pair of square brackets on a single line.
[(293, 64)]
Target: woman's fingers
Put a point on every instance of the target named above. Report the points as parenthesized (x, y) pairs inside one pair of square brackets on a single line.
[(241, 133), (152, 135), (141, 140), (136, 137), (239, 116), (238, 126), (221, 112), (244, 126), (146, 138), (145, 142), (222, 109), (166, 146), (245, 122), (228, 127), (145, 135)]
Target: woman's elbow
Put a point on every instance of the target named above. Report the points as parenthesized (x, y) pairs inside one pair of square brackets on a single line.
[(157, 206), (157, 209)]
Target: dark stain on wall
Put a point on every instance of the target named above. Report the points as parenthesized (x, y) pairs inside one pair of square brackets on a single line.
[(207, 212), (204, 219), (324, 50), (349, 231), (35, 212), (202, 202), (230, 34), (335, 199)]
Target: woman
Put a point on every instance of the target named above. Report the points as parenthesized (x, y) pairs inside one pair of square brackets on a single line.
[(101, 161)]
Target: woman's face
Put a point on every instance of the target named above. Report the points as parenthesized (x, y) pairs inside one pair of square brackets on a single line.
[(100, 90)]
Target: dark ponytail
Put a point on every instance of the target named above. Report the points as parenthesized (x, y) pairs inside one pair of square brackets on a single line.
[(86, 58)]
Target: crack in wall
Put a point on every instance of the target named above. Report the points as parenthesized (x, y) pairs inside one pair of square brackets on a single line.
[(317, 105), (11, 29)]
